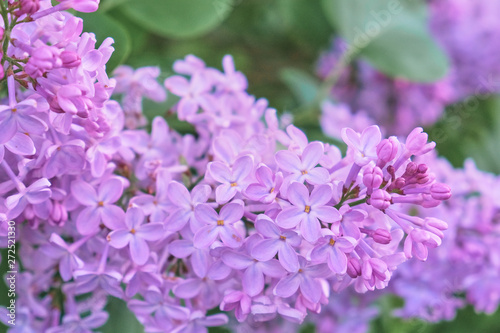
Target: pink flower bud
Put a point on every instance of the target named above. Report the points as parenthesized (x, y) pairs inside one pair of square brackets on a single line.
[(353, 268), (70, 59), (27, 7), (440, 191), (380, 199), (382, 236), (387, 149), (416, 142), (373, 177)]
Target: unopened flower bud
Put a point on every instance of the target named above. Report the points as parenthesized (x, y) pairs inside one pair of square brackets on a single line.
[(70, 59), (387, 150), (382, 236), (373, 177), (353, 268), (440, 191), (380, 199)]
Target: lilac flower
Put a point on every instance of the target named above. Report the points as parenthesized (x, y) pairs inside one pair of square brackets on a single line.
[(268, 185), (307, 210), (304, 168), (99, 205), (135, 234), (332, 250), (255, 271), (218, 225), (278, 241), (362, 147), (198, 322), (193, 93), (36, 193), (75, 323), (185, 203), (306, 278), (233, 180), (19, 117)]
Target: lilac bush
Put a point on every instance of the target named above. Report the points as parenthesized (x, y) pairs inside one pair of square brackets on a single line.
[(466, 30), (242, 215)]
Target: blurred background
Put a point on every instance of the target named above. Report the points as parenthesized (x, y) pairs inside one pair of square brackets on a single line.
[(396, 63)]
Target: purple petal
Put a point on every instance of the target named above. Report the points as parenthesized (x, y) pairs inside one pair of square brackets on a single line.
[(236, 260), (21, 144), (112, 216), (220, 172), (253, 280), (231, 212), (84, 193), (288, 258), (230, 236), (8, 125), (151, 231), (139, 250), (200, 193), (188, 289), (88, 221), (264, 175), (181, 248), (317, 176), (110, 191), (178, 85), (134, 218), (214, 320), (312, 154), (119, 238), (201, 261), (327, 214), (205, 214), (179, 195), (288, 161), (298, 194), (205, 236), (310, 289), (224, 193), (272, 268), (256, 192), (290, 217), (242, 167), (266, 249), (287, 286), (321, 195), (337, 261), (310, 229), (266, 227), (178, 219)]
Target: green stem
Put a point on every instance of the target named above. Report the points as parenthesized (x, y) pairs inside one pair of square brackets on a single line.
[(359, 202)]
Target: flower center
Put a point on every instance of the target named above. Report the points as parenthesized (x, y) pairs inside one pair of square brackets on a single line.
[(283, 238), (220, 222), (132, 231), (332, 242), (304, 172), (272, 190), (307, 209), (14, 110), (234, 184), (100, 204)]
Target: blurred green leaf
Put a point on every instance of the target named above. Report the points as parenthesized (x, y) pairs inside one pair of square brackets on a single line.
[(121, 319), (306, 23), (105, 26), (106, 5), (303, 85), (470, 128), (392, 35), (178, 18)]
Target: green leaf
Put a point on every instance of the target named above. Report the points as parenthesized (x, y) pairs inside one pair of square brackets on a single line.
[(178, 18), (105, 26), (392, 35), (306, 23), (106, 5), (303, 85), (121, 319)]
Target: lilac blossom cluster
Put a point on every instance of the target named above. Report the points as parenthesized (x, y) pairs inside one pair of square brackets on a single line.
[(467, 265), (240, 215), (469, 33)]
